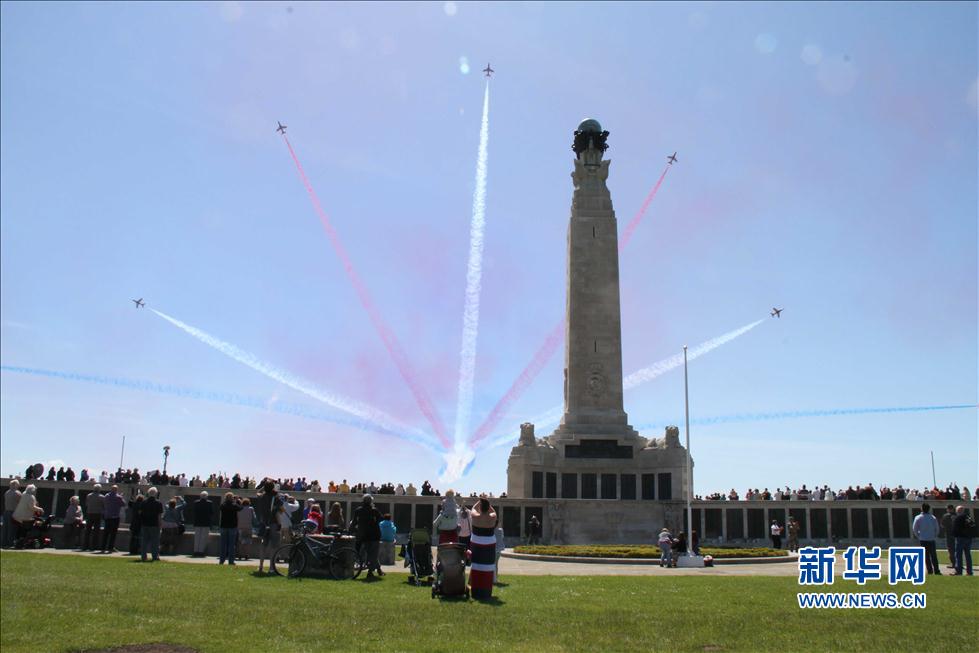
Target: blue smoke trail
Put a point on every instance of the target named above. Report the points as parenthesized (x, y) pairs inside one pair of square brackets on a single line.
[(227, 398), (796, 414)]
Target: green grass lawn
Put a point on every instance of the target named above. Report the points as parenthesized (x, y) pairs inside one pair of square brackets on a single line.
[(68, 603)]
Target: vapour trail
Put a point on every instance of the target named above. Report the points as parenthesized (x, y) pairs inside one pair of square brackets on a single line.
[(345, 404), (387, 335), (547, 349), (474, 275), (520, 386), (796, 414), (648, 373), (227, 398), (631, 227), (656, 369)]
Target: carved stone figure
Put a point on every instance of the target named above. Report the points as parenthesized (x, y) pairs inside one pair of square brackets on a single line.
[(555, 514), (672, 436), (527, 438)]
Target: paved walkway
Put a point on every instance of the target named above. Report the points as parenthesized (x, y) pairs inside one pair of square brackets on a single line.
[(521, 567)]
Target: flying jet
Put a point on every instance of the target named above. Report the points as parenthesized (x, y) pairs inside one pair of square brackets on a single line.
[(672, 158), (777, 312), (489, 71), (281, 128), (139, 302)]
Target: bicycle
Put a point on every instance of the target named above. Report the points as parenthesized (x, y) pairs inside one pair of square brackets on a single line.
[(305, 553)]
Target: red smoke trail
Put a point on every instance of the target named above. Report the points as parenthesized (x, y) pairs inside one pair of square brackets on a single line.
[(547, 349), (519, 386), (393, 347), (631, 227)]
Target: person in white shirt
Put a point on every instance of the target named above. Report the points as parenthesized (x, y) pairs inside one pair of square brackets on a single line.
[(776, 535), (400, 490), (925, 529), (182, 480), (103, 477)]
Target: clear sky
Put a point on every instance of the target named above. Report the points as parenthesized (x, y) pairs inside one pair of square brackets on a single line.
[(827, 165)]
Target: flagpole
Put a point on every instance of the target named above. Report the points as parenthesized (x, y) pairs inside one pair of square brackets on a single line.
[(934, 483), (686, 408), (123, 451)]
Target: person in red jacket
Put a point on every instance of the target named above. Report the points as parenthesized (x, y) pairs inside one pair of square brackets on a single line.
[(317, 516)]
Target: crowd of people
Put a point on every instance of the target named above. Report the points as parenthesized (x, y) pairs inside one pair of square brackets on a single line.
[(226, 482), (245, 524), (858, 493)]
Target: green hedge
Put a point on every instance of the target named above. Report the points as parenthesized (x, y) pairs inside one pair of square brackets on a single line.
[(641, 551)]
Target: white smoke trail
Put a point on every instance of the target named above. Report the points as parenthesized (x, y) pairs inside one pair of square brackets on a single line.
[(474, 274), (656, 369), (345, 404), (545, 420)]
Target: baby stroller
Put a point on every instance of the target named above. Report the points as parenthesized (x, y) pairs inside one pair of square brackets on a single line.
[(450, 571), (36, 536), (418, 556)]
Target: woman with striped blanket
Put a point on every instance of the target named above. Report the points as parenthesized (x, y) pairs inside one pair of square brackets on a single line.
[(482, 547)]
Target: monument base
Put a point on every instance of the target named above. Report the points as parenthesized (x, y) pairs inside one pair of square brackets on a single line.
[(612, 465)]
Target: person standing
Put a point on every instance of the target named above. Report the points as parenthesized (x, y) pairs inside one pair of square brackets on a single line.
[(10, 500), (964, 529), (389, 533), (203, 517), (366, 526), (150, 519), (665, 543), (112, 506), (335, 520), (447, 522), (793, 534), (465, 525), (500, 546), (135, 524), (776, 531), (229, 528), (74, 524), (482, 547), (533, 530), (925, 530), (173, 523), (948, 521), (246, 519), (273, 512), (93, 510)]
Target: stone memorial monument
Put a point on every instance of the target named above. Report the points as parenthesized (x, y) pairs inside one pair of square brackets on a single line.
[(594, 453)]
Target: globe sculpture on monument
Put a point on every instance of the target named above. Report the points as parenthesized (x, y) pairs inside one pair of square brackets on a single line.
[(594, 453)]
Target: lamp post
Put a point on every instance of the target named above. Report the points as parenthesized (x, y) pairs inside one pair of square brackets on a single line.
[(166, 454)]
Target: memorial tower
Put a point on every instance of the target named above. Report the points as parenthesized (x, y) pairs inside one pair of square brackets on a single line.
[(594, 453)]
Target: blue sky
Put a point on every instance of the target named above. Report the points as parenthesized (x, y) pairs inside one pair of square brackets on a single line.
[(827, 164)]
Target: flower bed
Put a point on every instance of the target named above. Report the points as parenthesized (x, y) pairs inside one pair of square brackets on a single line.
[(640, 551)]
